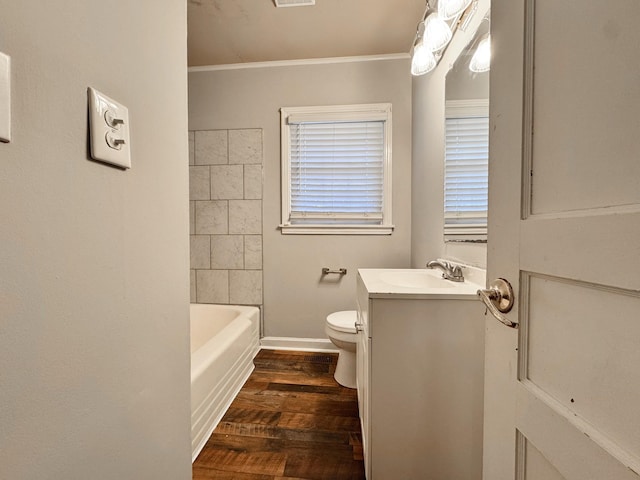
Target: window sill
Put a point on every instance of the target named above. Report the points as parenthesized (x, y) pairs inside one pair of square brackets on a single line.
[(336, 229)]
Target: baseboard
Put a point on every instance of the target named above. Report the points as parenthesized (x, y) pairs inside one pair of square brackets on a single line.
[(301, 344)]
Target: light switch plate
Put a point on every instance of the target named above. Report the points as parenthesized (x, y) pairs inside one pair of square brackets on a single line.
[(5, 98), (109, 126)]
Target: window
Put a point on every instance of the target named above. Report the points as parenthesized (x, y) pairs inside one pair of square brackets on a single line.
[(466, 170), (336, 170)]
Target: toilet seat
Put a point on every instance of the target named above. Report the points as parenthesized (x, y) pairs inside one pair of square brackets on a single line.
[(344, 321)]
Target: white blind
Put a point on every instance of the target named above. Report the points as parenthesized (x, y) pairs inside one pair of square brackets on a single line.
[(466, 175), (337, 171)]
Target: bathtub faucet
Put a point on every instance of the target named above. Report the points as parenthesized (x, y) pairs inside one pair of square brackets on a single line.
[(449, 271)]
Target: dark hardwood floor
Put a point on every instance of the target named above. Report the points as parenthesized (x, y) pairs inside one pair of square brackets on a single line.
[(290, 421)]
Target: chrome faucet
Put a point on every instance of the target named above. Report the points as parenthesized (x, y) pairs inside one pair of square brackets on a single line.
[(449, 271)]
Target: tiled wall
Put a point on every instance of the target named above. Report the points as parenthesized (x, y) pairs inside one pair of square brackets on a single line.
[(225, 201)]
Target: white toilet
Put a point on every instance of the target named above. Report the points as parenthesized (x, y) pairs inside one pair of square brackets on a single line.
[(341, 330)]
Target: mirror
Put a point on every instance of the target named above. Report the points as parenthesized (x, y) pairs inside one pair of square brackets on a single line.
[(461, 82), (467, 145)]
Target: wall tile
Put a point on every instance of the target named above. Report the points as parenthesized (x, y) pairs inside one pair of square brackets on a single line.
[(211, 147), (227, 182), (245, 216), (245, 287), (200, 248), (212, 286), (212, 217), (192, 148), (227, 251), (245, 146), (253, 182), (193, 286), (253, 252), (199, 188), (192, 218)]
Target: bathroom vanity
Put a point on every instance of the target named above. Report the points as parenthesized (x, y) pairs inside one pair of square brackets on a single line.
[(420, 358)]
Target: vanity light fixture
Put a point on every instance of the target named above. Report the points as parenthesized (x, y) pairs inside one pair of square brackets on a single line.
[(423, 60), (452, 8), (436, 32), (481, 60)]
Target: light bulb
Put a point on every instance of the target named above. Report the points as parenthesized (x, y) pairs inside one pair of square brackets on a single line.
[(423, 60), (450, 8), (436, 33), (481, 60)]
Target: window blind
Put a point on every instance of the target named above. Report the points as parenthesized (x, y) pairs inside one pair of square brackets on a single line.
[(337, 172), (466, 175)]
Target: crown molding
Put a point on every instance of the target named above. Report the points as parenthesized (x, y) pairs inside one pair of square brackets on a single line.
[(292, 63)]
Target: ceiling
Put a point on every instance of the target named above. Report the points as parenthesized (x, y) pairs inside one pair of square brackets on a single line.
[(239, 31)]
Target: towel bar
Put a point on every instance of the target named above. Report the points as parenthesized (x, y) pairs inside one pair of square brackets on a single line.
[(339, 271)]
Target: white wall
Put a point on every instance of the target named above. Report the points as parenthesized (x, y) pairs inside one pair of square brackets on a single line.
[(427, 238), (94, 354), (296, 302)]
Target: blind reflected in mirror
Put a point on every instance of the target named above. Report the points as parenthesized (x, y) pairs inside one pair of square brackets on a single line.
[(467, 146)]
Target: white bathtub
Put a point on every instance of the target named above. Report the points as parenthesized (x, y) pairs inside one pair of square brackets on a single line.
[(224, 341)]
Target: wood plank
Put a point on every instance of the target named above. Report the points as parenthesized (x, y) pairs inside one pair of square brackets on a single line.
[(314, 437), (242, 443), (311, 391), (319, 406), (206, 473), (266, 463), (297, 388), (282, 376), (259, 401), (247, 429), (328, 451), (315, 465), (254, 385), (247, 415), (318, 422)]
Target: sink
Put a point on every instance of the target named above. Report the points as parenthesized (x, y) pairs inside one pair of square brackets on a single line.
[(419, 283), (416, 279)]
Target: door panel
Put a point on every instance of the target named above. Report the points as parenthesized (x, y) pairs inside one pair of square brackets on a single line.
[(572, 446), (580, 347), (585, 106), (562, 394), (536, 467)]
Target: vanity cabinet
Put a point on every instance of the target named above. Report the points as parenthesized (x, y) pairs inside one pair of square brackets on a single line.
[(420, 361)]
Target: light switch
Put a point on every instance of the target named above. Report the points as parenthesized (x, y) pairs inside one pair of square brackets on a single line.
[(109, 126), (5, 98)]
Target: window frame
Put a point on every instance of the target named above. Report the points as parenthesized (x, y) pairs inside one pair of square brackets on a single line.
[(330, 114), (464, 232)]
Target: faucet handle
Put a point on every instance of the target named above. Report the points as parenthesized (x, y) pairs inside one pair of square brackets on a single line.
[(456, 272)]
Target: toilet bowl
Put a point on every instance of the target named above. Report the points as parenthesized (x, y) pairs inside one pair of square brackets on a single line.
[(341, 330)]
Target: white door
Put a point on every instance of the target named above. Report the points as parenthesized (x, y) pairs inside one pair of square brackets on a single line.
[(562, 394)]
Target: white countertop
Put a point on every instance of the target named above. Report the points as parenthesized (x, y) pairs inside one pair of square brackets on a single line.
[(418, 283)]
